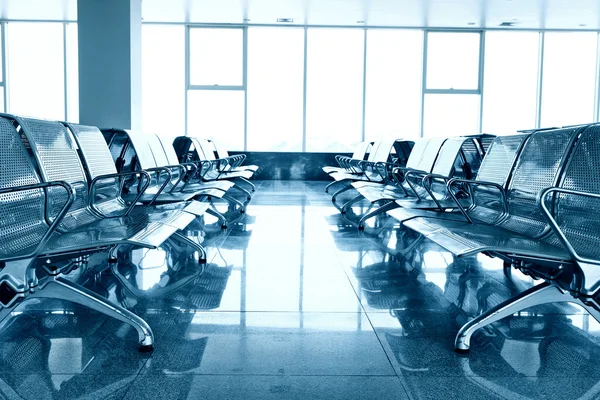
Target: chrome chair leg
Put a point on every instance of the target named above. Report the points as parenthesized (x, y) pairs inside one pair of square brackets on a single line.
[(235, 202), (241, 189), (252, 187), (380, 210), (349, 203), (330, 185), (180, 236), (220, 217), (541, 294), (62, 289), (340, 191)]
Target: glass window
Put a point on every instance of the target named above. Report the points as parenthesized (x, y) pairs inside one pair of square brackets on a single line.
[(275, 89), (453, 60), (511, 81), (569, 78), (217, 115), (393, 91), (451, 114), (72, 74), (334, 89), (163, 79), (216, 56), (36, 69)]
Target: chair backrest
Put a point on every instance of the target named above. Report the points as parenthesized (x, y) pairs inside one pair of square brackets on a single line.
[(579, 216), (206, 147), (500, 159), (496, 167), (145, 157), (221, 151), (97, 160), (372, 157), (22, 223), (169, 151), (360, 151), (417, 153), (539, 166), (383, 151), (156, 147), (56, 155)]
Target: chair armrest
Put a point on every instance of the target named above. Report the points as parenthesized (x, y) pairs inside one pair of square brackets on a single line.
[(71, 193), (541, 200), (93, 184), (414, 172), (158, 171), (470, 183), (427, 181)]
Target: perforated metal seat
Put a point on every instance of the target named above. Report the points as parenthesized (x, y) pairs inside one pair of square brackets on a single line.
[(345, 163), (549, 229), (107, 190), (436, 160), (538, 167), (496, 168), (38, 221), (218, 173), (191, 149), (235, 163), (214, 188)]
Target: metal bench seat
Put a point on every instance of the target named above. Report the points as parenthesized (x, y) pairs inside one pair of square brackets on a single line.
[(435, 160), (215, 188), (368, 171), (190, 149), (380, 151), (220, 172), (346, 163), (549, 228), (42, 219), (235, 163), (105, 188), (135, 152), (496, 168), (514, 211)]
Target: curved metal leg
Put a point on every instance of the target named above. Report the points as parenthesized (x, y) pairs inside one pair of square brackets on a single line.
[(381, 210), (340, 191), (349, 203), (192, 244), (252, 187), (64, 290), (541, 294), (219, 216), (235, 202), (330, 185), (241, 189)]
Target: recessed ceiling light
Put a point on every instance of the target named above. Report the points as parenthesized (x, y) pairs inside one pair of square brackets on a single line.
[(286, 20)]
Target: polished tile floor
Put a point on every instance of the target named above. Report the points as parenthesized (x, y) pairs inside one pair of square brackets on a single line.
[(296, 303)]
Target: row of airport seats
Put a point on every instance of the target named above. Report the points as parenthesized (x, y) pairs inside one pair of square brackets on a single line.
[(532, 201), (68, 191)]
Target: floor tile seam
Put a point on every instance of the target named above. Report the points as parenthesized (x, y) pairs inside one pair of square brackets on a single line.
[(294, 375), (131, 384), (266, 312)]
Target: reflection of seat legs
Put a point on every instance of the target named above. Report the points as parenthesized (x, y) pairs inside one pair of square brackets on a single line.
[(381, 210), (541, 294), (62, 289)]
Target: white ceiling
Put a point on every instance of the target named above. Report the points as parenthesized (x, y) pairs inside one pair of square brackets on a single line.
[(530, 14)]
